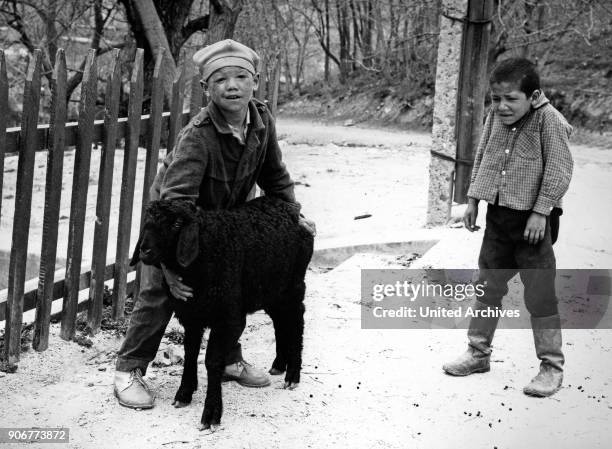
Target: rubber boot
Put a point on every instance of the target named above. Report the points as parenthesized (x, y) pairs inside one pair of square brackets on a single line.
[(480, 335), (548, 342)]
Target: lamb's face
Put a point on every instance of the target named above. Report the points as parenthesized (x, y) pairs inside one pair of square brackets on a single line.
[(169, 235), (153, 245), (157, 241)]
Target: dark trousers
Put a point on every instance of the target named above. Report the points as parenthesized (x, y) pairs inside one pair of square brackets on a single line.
[(148, 322), (504, 253)]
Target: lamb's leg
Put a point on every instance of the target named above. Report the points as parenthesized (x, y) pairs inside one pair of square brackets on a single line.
[(294, 317), (213, 405), (221, 339), (189, 381), (279, 365)]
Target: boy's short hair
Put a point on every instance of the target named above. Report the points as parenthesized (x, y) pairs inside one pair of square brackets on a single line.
[(519, 71)]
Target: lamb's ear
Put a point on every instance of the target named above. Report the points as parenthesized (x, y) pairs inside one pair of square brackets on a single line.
[(188, 247), (136, 255)]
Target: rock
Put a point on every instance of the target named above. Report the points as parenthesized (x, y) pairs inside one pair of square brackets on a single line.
[(83, 341), (349, 122), (168, 355)]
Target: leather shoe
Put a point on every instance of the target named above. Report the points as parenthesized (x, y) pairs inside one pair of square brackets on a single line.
[(246, 375), (132, 391)]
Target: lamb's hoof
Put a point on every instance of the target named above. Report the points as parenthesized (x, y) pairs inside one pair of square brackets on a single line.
[(182, 398), (291, 385), (275, 371), (180, 404), (209, 428), (211, 415)]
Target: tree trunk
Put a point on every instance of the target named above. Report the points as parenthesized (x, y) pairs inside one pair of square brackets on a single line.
[(344, 32), (223, 17), (162, 23), (366, 26), (155, 37), (327, 43)]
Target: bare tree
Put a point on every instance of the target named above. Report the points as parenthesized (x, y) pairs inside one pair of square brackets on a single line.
[(50, 23)]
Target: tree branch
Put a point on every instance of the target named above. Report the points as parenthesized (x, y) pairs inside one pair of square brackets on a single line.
[(193, 26)]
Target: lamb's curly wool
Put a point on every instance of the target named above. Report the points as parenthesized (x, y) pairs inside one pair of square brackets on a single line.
[(238, 261)]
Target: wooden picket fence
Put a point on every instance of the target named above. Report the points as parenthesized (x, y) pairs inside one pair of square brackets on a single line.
[(53, 139)]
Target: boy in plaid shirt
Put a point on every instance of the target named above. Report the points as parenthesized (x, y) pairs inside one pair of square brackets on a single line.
[(522, 169)]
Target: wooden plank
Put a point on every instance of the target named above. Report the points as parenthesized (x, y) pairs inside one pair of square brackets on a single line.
[(176, 107), (127, 186), (80, 183), (472, 89), (30, 296), (13, 135), (105, 189), (196, 100), (53, 193), (154, 131), (153, 142), (23, 203), (4, 106)]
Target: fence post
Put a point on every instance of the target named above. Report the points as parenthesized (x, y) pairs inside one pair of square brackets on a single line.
[(126, 203), (443, 132), (105, 188), (53, 193), (23, 203), (78, 204), (153, 140), (176, 108), (197, 96), (472, 89), (4, 106)]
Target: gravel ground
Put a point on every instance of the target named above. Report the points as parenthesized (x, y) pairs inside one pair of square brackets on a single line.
[(360, 388)]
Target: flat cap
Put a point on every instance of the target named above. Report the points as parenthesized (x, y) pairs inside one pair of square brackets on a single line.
[(223, 54)]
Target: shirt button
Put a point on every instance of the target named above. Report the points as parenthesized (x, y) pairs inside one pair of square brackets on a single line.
[(506, 151), (513, 129), (503, 172)]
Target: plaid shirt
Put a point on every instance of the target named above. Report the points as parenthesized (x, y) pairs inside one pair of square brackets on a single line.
[(527, 165)]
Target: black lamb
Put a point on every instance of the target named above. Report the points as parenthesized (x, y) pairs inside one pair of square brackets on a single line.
[(237, 261)]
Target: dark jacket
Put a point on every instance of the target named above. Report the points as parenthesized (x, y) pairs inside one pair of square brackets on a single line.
[(211, 167)]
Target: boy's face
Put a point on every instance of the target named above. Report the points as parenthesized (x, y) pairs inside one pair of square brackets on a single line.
[(509, 102), (231, 88)]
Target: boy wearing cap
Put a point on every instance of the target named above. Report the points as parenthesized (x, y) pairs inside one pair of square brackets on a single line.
[(219, 156), (522, 168)]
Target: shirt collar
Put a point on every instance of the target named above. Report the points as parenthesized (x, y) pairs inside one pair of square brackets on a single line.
[(252, 119)]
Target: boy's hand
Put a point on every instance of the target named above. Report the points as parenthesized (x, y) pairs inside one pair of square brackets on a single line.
[(309, 225), (535, 228), (175, 282), (470, 215)]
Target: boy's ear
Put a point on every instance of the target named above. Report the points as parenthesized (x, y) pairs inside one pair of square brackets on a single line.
[(535, 96), (256, 81)]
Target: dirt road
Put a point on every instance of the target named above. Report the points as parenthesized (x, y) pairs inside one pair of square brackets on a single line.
[(360, 388)]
